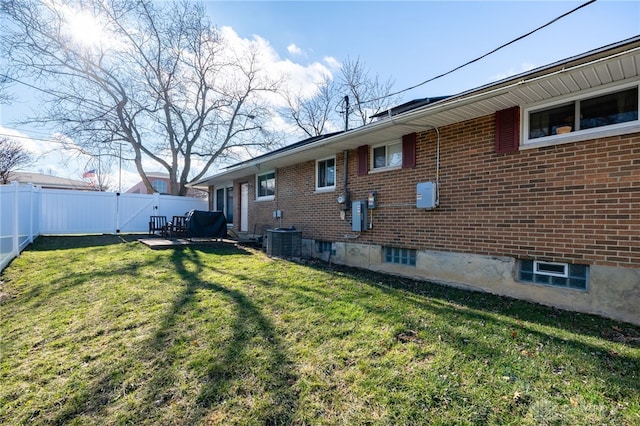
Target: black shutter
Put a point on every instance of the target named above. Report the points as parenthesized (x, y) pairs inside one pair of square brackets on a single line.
[(409, 151), (363, 160), (508, 130)]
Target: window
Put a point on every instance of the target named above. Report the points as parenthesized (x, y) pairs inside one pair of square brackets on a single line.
[(389, 155), (160, 186), (326, 174), (584, 114), (400, 256), (266, 187), (325, 247), (224, 202), (553, 273)]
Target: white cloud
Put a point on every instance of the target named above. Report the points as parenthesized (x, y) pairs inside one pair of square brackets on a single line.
[(332, 62), (47, 153), (512, 71), (58, 155), (294, 50), (296, 77)]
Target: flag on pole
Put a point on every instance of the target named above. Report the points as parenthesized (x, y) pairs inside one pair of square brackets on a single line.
[(89, 174)]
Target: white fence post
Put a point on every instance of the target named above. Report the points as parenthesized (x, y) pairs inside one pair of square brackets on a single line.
[(16, 219), (30, 214)]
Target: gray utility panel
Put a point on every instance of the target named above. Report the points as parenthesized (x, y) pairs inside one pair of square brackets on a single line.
[(426, 195), (359, 216)]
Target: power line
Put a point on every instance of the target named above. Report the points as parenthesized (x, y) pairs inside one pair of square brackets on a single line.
[(483, 56), (31, 138), (48, 92)]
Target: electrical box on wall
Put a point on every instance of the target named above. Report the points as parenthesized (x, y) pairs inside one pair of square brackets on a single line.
[(426, 195), (359, 216), (372, 200)]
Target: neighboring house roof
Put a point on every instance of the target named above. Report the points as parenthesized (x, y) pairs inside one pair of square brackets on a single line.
[(613, 63), (48, 181)]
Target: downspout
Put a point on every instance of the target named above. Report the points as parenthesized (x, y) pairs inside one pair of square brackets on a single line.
[(344, 172), (437, 167)]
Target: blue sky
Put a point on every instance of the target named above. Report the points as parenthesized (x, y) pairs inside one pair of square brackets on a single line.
[(411, 41), (406, 41)]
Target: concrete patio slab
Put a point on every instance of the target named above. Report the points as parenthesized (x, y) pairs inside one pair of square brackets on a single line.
[(164, 243)]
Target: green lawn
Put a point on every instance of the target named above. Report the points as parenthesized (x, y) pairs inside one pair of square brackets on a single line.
[(102, 330)]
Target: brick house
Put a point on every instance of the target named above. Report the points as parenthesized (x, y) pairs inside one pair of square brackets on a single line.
[(162, 184), (528, 187)]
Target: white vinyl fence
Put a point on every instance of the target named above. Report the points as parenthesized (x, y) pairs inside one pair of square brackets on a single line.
[(27, 211), (19, 219)]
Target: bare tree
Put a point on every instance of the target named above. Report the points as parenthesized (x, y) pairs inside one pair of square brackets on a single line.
[(5, 97), (313, 114), (368, 95), (353, 92), (155, 76), (13, 156)]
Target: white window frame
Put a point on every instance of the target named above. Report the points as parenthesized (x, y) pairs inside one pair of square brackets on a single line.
[(386, 145), (265, 197), (335, 169), (538, 268), (578, 135)]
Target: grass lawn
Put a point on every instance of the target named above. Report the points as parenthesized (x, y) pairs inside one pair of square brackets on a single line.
[(102, 330)]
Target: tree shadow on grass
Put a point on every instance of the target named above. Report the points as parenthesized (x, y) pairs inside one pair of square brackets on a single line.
[(216, 371), (253, 349), (486, 304), (473, 313), (48, 243)]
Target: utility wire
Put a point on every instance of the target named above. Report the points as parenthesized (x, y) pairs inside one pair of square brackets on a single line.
[(483, 56), (48, 92), (31, 138)]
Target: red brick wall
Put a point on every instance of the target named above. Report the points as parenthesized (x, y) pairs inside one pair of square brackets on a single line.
[(576, 202)]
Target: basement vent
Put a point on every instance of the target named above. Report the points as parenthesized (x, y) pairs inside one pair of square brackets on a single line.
[(284, 242)]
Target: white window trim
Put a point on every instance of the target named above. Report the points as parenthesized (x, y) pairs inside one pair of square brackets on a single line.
[(578, 135), (330, 188), (264, 197), (372, 168), (537, 270)]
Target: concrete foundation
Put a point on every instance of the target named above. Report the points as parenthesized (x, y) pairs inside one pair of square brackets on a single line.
[(611, 292)]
